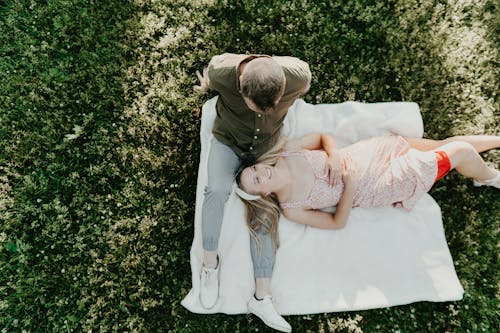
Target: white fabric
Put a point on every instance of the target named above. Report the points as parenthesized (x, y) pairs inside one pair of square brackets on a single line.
[(383, 257)]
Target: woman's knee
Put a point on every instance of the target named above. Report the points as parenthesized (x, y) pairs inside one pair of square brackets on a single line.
[(458, 151)]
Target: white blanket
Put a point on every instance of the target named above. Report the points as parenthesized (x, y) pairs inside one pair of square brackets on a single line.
[(383, 257)]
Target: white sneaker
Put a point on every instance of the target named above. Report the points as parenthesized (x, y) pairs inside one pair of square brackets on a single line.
[(495, 181), (209, 286), (264, 309)]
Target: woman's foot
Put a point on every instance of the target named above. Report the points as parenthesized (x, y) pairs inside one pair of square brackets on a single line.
[(495, 181)]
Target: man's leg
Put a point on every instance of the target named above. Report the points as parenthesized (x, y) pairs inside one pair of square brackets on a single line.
[(222, 165), (263, 258)]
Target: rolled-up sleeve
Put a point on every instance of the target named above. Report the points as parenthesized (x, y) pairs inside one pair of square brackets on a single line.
[(215, 72), (298, 74), (222, 71)]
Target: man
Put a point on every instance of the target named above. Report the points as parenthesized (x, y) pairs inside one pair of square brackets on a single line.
[(255, 92)]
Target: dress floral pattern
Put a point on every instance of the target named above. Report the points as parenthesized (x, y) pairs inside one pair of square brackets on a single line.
[(390, 173)]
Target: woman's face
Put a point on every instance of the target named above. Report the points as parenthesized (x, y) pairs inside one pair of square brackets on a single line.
[(259, 179)]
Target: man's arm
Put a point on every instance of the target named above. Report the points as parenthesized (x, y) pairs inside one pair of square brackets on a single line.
[(220, 74), (297, 73)]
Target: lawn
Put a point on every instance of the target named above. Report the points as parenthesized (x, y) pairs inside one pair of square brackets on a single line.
[(99, 146)]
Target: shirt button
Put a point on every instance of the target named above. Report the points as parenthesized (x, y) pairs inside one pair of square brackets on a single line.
[(259, 115), (255, 137), (251, 148), (258, 129)]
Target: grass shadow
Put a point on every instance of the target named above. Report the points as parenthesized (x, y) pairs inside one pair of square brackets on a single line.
[(99, 146)]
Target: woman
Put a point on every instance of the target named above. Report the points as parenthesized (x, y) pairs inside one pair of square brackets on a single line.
[(304, 175)]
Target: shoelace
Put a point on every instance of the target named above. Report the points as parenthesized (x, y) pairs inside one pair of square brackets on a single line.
[(209, 273)]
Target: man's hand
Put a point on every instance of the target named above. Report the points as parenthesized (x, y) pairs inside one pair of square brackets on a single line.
[(333, 167), (203, 87)]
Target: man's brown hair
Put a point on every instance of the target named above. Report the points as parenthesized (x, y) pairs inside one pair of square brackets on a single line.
[(263, 82)]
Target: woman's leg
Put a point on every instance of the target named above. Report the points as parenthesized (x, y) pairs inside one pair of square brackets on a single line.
[(479, 142), (467, 161)]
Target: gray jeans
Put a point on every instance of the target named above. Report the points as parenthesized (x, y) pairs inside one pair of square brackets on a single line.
[(222, 166)]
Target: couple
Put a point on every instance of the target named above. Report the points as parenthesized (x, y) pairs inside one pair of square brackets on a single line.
[(255, 93)]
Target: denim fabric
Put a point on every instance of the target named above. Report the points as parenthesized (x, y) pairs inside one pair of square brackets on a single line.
[(222, 166)]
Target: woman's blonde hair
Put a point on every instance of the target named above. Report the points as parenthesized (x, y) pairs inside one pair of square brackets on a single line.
[(263, 214)]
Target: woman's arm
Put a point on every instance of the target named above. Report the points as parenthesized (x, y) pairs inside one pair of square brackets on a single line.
[(323, 141), (317, 219), (313, 141), (309, 141), (324, 220)]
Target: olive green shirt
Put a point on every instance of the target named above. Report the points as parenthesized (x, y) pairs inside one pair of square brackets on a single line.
[(248, 133)]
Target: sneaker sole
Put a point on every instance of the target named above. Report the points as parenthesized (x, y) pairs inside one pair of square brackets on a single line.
[(206, 307)]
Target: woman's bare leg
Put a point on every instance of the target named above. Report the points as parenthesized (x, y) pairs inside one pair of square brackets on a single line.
[(467, 161), (479, 142)]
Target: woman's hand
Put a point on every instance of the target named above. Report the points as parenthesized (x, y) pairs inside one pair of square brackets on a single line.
[(349, 175), (203, 87), (333, 166)]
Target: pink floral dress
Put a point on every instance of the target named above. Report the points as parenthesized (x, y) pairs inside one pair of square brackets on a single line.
[(390, 173)]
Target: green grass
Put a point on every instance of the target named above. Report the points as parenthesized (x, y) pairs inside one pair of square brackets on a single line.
[(99, 146)]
